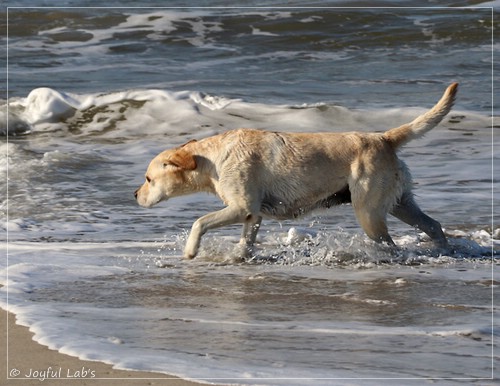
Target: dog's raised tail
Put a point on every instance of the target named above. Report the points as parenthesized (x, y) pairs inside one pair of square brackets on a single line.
[(400, 136)]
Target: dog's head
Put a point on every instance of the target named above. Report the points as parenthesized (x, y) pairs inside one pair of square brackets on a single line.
[(166, 177)]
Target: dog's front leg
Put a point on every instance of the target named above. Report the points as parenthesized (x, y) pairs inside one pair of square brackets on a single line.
[(226, 216), (251, 227)]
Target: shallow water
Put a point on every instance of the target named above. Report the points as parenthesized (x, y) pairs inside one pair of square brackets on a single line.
[(94, 94)]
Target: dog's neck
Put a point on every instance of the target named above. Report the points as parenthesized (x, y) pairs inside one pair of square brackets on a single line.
[(205, 177)]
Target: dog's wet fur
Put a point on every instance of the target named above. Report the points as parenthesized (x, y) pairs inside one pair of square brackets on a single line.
[(259, 173)]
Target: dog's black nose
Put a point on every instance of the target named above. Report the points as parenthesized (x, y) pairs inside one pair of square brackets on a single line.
[(135, 194)]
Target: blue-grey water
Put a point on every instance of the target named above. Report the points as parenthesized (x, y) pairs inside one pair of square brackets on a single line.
[(94, 92)]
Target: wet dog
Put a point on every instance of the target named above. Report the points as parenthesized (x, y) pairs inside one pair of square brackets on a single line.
[(285, 175)]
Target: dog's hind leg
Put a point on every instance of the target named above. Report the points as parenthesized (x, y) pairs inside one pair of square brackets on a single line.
[(408, 211), (374, 225), (371, 202)]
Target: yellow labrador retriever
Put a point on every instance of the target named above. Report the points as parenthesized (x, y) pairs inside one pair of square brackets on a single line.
[(285, 175)]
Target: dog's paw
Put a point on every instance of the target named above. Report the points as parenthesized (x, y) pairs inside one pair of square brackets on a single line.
[(189, 255), (191, 248), (243, 252)]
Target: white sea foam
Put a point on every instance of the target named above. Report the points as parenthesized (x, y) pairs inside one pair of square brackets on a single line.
[(160, 110)]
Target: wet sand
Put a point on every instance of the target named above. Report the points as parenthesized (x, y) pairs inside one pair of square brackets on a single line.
[(31, 362)]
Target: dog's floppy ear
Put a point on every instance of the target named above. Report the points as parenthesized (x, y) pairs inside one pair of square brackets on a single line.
[(182, 159)]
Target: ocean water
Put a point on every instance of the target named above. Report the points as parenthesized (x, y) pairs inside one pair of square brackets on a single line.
[(93, 93)]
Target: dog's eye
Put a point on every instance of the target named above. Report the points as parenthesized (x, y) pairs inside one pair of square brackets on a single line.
[(148, 179)]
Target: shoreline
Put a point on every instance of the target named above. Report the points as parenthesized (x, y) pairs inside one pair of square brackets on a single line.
[(30, 363)]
